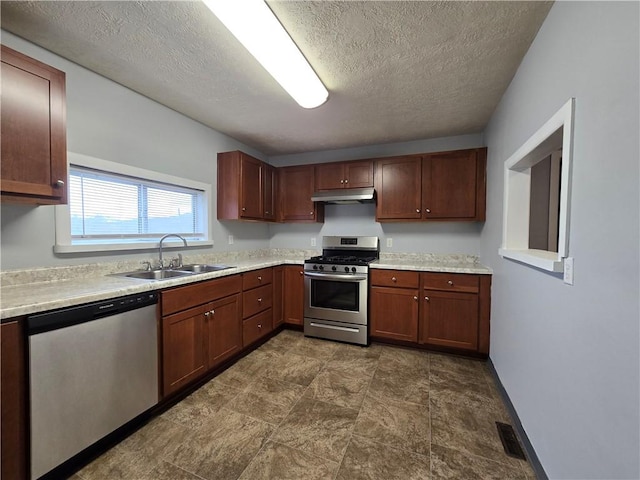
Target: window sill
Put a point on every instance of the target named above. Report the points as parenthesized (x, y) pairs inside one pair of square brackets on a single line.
[(114, 247), (549, 261)]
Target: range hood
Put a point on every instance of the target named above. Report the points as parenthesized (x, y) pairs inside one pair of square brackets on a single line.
[(345, 196)]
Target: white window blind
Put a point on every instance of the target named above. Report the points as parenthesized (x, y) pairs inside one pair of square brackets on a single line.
[(108, 207)]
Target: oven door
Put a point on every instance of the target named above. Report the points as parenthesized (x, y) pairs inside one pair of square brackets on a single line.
[(334, 296)]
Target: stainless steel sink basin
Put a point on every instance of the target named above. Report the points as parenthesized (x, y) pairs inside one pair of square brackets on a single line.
[(157, 274), (201, 268)]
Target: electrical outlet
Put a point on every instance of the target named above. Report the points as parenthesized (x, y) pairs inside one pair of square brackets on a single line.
[(568, 271), (230, 239), (389, 242), (313, 241)]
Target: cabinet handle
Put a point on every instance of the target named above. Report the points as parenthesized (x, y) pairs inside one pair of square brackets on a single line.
[(259, 278), (59, 184), (346, 181), (259, 300), (212, 312), (415, 298), (301, 273), (394, 279), (426, 298), (311, 213), (259, 325), (427, 210), (244, 209), (266, 213), (450, 282), (206, 314), (417, 210), (341, 181)]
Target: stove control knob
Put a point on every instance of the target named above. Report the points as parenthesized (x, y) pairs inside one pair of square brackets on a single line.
[(321, 267), (346, 269), (334, 268), (315, 267), (353, 269)]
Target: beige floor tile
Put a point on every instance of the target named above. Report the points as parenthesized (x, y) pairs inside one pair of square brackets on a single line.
[(401, 380), (204, 402), (157, 438), (293, 368), (167, 471), (355, 359), (222, 447), (408, 357), (395, 423), (282, 342), (344, 389), (118, 463), (469, 426), (368, 460), (267, 399), (318, 428), (314, 348), (448, 463), (278, 461)]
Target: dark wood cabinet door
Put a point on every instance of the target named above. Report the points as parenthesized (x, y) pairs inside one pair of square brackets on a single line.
[(449, 319), (251, 196), (296, 185), (394, 313), (269, 190), (223, 320), (33, 130), (358, 174), (293, 293), (398, 186), (13, 402), (183, 348), (329, 176), (451, 187), (278, 311)]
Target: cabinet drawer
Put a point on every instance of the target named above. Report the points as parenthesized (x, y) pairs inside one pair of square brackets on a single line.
[(181, 298), (453, 282), (394, 278), (256, 300), (256, 327), (257, 278)]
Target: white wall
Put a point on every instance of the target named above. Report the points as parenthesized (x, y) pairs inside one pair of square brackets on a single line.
[(108, 121), (421, 237), (568, 355)]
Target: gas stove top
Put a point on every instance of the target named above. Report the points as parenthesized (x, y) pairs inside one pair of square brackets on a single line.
[(342, 259), (344, 255)]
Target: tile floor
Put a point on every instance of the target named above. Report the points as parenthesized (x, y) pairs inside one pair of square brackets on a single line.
[(301, 408)]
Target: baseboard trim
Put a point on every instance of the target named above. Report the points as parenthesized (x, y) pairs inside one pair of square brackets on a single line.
[(522, 435)]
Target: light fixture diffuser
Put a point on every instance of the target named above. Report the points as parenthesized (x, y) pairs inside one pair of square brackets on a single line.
[(253, 23)]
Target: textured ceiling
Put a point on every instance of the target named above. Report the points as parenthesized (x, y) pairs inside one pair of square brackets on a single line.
[(395, 71)]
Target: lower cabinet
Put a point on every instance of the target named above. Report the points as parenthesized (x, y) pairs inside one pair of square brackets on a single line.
[(438, 310), (293, 294), (201, 327), (13, 401), (257, 301), (278, 311), (394, 305)]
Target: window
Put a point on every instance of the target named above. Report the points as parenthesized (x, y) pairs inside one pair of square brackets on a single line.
[(536, 195), (118, 207)]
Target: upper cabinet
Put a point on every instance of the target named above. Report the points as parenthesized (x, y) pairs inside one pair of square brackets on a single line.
[(33, 130), (437, 186), (246, 188), (331, 176), (296, 185)]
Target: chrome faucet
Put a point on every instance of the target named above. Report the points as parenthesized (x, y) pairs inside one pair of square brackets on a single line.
[(162, 240)]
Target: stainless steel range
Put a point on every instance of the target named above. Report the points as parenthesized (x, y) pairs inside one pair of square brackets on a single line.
[(336, 285)]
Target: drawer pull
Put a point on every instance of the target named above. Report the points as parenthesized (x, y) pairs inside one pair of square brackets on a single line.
[(426, 298), (259, 278), (206, 314), (394, 279), (259, 325), (427, 210), (415, 298), (450, 282), (259, 300)]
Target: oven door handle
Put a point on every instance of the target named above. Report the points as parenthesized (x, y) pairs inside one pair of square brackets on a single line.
[(340, 278)]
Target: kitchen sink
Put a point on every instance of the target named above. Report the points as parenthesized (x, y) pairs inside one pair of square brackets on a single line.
[(183, 271), (201, 268), (157, 274)]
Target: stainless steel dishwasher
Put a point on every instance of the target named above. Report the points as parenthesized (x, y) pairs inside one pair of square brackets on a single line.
[(92, 369)]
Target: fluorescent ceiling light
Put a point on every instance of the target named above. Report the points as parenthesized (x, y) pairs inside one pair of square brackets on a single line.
[(257, 28)]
